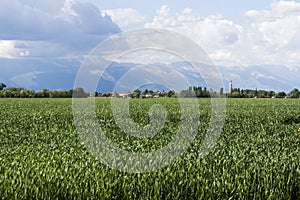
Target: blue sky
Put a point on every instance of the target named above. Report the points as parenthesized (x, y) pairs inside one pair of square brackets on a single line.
[(50, 38)]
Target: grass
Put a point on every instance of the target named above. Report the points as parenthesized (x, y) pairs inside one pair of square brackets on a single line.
[(256, 157)]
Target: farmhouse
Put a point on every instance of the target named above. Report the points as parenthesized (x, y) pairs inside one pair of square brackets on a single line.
[(125, 95)]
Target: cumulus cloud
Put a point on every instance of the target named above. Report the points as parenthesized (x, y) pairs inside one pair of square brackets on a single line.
[(125, 16), (212, 32), (34, 22), (273, 35), (279, 25), (38, 38), (204, 30), (6, 48), (68, 24), (268, 36)]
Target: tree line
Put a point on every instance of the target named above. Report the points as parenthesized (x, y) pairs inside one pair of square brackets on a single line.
[(44, 93), (195, 91), (238, 93)]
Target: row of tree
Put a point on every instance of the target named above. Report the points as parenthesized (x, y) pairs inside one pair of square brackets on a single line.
[(241, 93), (238, 93), (24, 93), (198, 92)]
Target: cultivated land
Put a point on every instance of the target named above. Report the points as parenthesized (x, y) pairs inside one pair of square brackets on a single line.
[(256, 157)]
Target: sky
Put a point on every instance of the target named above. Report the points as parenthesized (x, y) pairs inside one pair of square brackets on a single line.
[(42, 39)]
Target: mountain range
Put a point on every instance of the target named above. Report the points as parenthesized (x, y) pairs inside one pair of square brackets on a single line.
[(264, 77), (39, 74)]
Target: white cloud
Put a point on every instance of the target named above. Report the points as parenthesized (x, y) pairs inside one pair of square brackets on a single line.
[(277, 27), (273, 35), (162, 19), (259, 15), (125, 16), (49, 37), (67, 12), (6, 48), (68, 24), (214, 33), (209, 32), (224, 56), (270, 36), (283, 8), (24, 53)]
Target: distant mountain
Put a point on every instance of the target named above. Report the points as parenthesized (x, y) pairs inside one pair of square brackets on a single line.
[(262, 77), (39, 74), (265, 77), (61, 74)]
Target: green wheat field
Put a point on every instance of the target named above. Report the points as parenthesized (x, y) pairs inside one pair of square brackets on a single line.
[(256, 157)]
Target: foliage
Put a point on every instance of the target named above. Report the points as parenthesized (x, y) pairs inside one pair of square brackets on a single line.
[(171, 94), (80, 93), (256, 157), (198, 92), (281, 95), (295, 93), (195, 92), (44, 93)]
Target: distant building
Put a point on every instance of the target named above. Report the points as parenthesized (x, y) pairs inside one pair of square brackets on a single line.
[(125, 95), (146, 96), (112, 94), (149, 95)]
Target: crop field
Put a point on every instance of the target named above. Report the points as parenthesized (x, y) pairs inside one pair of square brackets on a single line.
[(256, 156)]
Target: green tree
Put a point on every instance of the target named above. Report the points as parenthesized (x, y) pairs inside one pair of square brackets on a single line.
[(200, 92), (271, 93), (235, 94), (281, 94), (77, 93), (262, 93), (137, 93), (295, 93), (43, 93), (171, 93), (205, 93)]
